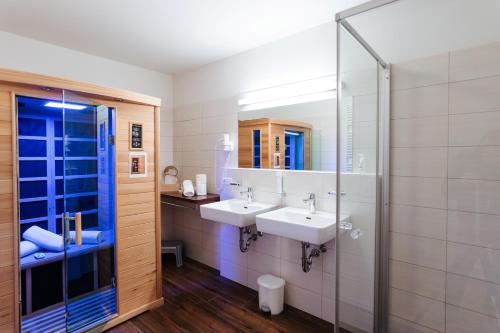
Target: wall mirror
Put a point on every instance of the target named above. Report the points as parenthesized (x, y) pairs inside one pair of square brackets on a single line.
[(292, 127)]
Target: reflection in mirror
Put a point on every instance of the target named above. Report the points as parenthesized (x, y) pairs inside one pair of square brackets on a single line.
[(292, 128)]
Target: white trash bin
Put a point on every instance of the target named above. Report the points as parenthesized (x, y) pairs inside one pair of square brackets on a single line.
[(271, 293)]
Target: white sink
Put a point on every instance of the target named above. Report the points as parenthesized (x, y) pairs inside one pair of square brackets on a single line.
[(234, 211), (299, 224)]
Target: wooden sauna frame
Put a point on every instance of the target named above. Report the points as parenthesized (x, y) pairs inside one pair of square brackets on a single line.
[(137, 208), (270, 128)]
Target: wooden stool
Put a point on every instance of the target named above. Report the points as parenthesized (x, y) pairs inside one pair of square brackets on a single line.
[(175, 247)]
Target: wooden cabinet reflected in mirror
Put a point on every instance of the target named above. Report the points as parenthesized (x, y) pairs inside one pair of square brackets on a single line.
[(268, 143)]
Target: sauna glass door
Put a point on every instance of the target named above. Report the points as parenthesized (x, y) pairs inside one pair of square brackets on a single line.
[(88, 211)]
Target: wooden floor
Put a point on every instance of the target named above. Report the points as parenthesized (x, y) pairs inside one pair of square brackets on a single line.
[(197, 299)]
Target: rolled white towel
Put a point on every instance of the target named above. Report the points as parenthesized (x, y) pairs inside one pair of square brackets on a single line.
[(44, 238), (89, 236), (26, 248), (188, 188)]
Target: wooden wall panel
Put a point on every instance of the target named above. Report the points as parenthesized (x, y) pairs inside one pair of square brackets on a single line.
[(8, 267), (136, 218)]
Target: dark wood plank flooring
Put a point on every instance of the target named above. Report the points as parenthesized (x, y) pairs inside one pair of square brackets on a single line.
[(197, 299)]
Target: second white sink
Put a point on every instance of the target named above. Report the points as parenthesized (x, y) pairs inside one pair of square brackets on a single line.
[(234, 211), (299, 224)]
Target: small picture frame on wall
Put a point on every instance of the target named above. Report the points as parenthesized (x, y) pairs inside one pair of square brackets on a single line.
[(138, 164), (136, 133)]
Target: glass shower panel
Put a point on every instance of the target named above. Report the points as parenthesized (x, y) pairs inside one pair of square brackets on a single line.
[(87, 210), (357, 182)]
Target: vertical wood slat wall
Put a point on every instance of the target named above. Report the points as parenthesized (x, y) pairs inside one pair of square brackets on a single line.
[(138, 257)]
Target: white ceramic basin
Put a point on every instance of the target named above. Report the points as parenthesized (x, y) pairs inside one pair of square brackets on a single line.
[(234, 211), (299, 224)]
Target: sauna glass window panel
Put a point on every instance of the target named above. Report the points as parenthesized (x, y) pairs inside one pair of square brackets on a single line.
[(58, 148), (59, 168), (77, 204), (32, 189), (82, 167), (28, 169), (81, 129), (32, 127), (256, 149), (90, 220), (58, 129), (32, 148), (81, 185), (25, 226), (59, 187), (294, 150), (33, 209), (81, 148)]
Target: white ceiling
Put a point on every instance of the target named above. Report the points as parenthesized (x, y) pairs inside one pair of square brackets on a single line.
[(164, 35)]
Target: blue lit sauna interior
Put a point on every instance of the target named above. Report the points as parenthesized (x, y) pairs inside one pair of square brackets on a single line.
[(65, 165)]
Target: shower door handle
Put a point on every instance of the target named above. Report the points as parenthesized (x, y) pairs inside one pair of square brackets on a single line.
[(78, 228)]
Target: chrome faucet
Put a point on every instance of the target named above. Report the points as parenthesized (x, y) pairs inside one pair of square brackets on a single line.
[(312, 202), (249, 193)]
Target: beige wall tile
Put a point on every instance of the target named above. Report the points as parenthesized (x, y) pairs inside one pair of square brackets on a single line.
[(421, 310), (399, 325), (473, 294), (477, 262), (418, 221), (420, 102), (420, 280), (475, 62), (476, 129), (475, 229), (475, 95), (481, 196), (420, 251), (419, 162), (421, 72), (418, 191), (420, 132), (474, 162), (460, 320)]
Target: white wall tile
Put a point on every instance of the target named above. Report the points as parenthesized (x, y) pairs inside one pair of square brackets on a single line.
[(474, 229), (421, 72), (479, 196), (419, 162), (475, 95), (473, 294), (420, 280), (418, 221), (420, 132), (475, 129), (234, 272), (474, 162), (328, 309), (460, 320), (421, 310), (399, 325), (420, 102), (292, 273), (473, 261), (303, 299), (265, 264), (420, 251), (475, 62), (418, 191), (328, 285)]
